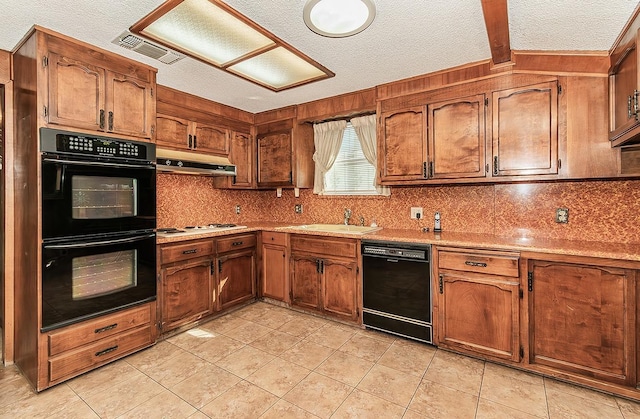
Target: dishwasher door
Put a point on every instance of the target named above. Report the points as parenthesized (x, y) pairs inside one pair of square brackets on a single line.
[(397, 290)]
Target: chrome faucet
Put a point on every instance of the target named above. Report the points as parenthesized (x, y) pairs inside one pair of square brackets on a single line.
[(347, 215)]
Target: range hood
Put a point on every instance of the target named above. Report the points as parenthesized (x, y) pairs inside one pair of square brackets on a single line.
[(193, 163)]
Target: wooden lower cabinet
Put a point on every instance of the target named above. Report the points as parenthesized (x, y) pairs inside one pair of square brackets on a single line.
[(479, 302), (324, 275), (582, 320), (186, 291), (275, 266), (75, 349), (236, 278)]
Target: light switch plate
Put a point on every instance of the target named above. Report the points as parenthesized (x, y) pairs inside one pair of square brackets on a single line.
[(416, 213), (562, 215)]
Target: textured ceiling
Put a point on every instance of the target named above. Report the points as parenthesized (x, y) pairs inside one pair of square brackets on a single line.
[(407, 38)]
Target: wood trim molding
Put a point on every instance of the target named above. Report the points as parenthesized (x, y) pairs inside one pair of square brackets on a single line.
[(496, 19), (5, 66)]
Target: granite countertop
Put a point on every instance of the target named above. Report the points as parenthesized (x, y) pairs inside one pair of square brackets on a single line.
[(621, 251)]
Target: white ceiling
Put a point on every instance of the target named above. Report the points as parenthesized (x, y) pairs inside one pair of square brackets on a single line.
[(407, 38)]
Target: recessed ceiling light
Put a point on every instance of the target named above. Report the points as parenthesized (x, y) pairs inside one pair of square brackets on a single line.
[(338, 18), (214, 33)]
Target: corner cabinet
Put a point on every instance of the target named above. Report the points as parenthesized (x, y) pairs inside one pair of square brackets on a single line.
[(89, 90), (583, 320), (478, 302), (285, 154), (324, 276), (186, 292)]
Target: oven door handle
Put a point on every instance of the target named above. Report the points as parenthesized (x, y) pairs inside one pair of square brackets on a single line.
[(99, 243), (100, 164)]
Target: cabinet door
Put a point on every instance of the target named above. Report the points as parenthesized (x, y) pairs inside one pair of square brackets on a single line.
[(339, 288), (305, 281), (403, 146), (480, 313), (457, 138), (186, 293), (582, 320), (211, 139), (274, 159), (241, 154), (236, 278), (174, 132), (130, 106), (525, 130), (625, 110), (274, 272), (76, 94)]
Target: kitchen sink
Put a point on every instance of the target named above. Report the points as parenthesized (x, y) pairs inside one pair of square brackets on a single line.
[(337, 228)]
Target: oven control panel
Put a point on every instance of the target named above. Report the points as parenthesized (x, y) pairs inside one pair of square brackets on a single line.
[(56, 141)]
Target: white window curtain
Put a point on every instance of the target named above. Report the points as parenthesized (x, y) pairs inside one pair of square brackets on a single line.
[(327, 139), (365, 127)]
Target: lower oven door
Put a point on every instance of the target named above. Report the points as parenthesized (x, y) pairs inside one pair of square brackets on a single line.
[(89, 278)]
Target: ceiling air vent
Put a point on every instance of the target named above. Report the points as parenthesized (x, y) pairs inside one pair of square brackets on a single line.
[(134, 43)]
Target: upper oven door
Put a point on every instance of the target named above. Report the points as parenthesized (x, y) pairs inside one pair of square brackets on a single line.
[(82, 198)]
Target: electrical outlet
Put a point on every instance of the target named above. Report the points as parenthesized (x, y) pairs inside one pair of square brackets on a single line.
[(237, 209), (298, 208), (562, 215), (416, 213)]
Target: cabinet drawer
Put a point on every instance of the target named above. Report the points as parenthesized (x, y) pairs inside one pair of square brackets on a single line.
[(175, 253), (228, 244), (86, 357), (274, 238), (93, 330), (494, 264), (330, 247)]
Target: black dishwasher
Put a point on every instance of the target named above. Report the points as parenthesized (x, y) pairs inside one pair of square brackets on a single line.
[(397, 289)]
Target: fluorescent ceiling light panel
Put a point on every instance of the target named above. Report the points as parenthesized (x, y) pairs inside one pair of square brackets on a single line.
[(278, 68), (213, 32)]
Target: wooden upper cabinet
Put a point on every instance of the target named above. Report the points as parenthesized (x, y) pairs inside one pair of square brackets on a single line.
[(210, 138), (130, 106), (525, 130), (274, 151), (403, 149), (582, 320), (85, 92), (624, 94), (173, 131), (187, 134), (242, 155), (76, 93), (456, 138)]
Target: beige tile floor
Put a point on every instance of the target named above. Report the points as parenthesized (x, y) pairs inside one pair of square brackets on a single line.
[(270, 362)]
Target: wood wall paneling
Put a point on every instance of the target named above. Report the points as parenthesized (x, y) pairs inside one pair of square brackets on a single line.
[(348, 104)]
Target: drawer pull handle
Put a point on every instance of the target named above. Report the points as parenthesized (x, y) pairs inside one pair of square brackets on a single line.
[(190, 251), (237, 243), (478, 264), (106, 328), (106, 351)]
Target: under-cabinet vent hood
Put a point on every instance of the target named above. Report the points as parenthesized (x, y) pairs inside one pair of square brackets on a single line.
[(193, 163)]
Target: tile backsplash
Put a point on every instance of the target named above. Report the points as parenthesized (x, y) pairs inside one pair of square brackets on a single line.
[(598, 210)]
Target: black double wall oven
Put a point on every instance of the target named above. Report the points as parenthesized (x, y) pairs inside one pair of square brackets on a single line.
[(98, 226)]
